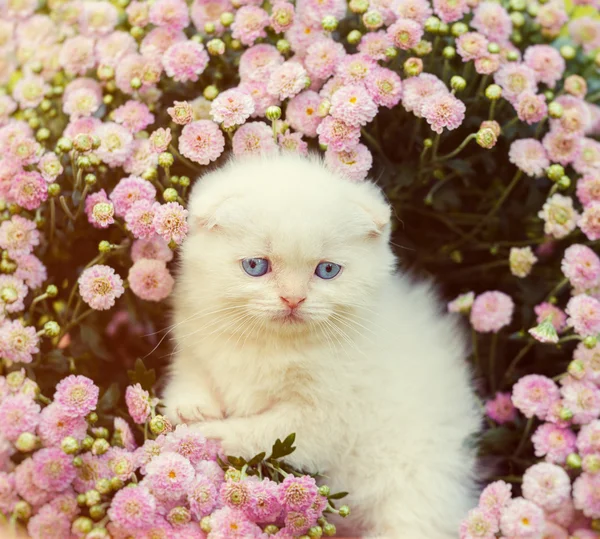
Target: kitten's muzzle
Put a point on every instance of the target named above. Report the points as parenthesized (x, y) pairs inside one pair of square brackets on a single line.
[(292, 301)]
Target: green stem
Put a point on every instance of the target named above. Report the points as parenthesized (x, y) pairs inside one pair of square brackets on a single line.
[(492, 110), (525, 437), (52, 219), (63, 204), (436, 143), (36, 300), (569, 338), (557, 289), (86, 188), (510, 123), (517, 358), (415, 132), (459, 149), (482, 84), (540, 127)]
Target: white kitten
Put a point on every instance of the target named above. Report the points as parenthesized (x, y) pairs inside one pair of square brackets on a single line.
[(364, 367)]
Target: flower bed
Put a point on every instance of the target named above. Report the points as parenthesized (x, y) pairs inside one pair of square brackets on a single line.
[(479, 119)]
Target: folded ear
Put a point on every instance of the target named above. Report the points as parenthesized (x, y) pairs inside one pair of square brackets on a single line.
[(212, 212), (377, 209)]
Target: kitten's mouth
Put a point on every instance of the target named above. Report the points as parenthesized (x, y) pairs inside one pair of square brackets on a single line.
[(290, 318)]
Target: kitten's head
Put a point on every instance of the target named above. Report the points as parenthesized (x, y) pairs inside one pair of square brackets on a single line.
[(281, 245)]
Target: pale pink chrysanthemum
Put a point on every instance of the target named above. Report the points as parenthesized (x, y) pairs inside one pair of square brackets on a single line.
[(154, 248), (575, 117), (297, 493), (385, 87), (588, 438), (134, 508), (25, 486), (301, 113), (558, 317), (124, 434), (491, 311), (585, 31), (170, 222), (157, 41), (77, 395), (134, 115), (139, 403), (18, 343), (462, 303), (99, 210), (48, 523), (530, 156), (522, 518), (233, 524), (116, 143), (113, 47), (53, 469), (534, 395), (287, 80), (553, 442), (141, 158), (588, 160), (547, 485), (181, 112), (148, 451), (121, 462), (249, 24), (50, 167), (563, 516), (515, 78), (581, 265), (18, 236), (232, 107), (264, 505), (160, 140), (201, 141), (355, 68), (373, 44), (472, 45), (31, 270), (81, 103), (338, 135), (418, 90), (150, 280), (584, 315), (8, 495), (494, 498), (82, 126), (313, 11), (405, 33), (501, 408), (66, 504), (353, 105), (299, 522), (417, 10), (185, 61), (323, 56), (521, 261), (531, 107), (258, 62), (443, 110), (56, 424), (493, 21), (140, 218), (100, 286), (77, 55), (450, 10), (147, 69), (487, 64), (560, 218), (282, 16), (586, 494), (188, 443), (253, 138), (203, 11), (547, 63), (582, 398), (590, 360), (172, 14), (562, 146), (589, 222), (30, 90), (29, 189), (478, 524), (292, 142), (353, 164), (24, 149), (262, 99), (98, 18), (14, 292), (303, 34), (552, 16), (18, 413), (169, 475), (128, 191)]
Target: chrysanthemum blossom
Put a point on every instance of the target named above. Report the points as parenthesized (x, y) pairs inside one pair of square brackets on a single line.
[(29, 189), (385, 87), (585, 31), (322, 58), (282, 16), (589, 222), (581, 265), (31, 270), (170, 222), (297, 493), (50, 167), (141, 159), (491, 311), (249, 24), (18, 236), (18, 413), (547, 63), (559, 216), (589, 358), (232, 107), (264, 505), (257, 90), (150, 280), (353, 105), (405, 33), (134, 115), (301, 113), (133, 508), (259, 61), (530, 156), (515, 78), (582, 398), (522, 518), (584, 315), (169, 475), (56, 424), (140, 218), (48, 523), (13, 292), (374, 45), (130, 190), (172, 14), (501, 408), (472, 45), (355, 68), (287, 80), (201, 141), (292, 142), (99, 210), (478, 524), (553, 442), (562, 146), (419, 90), (494, 497), (53, 469), (18, 343), (493, 21), (116, 143), (586, 494), (353, 164), (154, 247), (531, 108), (185, 61), (546, 485), (533, 395), (588, 159), (77, 395), (417, 10), (100, 286), (253, 138)]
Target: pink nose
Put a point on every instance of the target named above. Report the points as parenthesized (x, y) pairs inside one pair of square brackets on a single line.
[(292, 301)]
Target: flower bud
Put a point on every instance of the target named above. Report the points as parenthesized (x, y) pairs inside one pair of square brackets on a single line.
[(69, 445), (150, 174), (90, 179), (555, 110), (105, 72), (42, 134), (170, 195), (324, 490), (136, 32), (210, 92), (135, 83), (590, 341), (273, 113), (83, 161), (77, 462), (7, 266), (82, 526), (493, 92), (22, 510), (64, 144), (315, 531), (165, 159), (565, 414), (574, 461), (329, 530), (233, 475), (92, 497), (160, 425), (568, 52), (184, 181), (227, 19), (564, 183), (15, 380), (205, 524), (216, 47), (423, 48), (98, 533), (413, 67), (34, 123), (210, 28), (391, 53), (116, 483), (329, 23), (283, 46), (354, 37), (97, 512), (486, 138), (100, 446), (359, 6), (576, 369), (432, 25), (493, 48), (458, 83), (27, 442), (576, 86), (103, 486), (372, 20), (555, 172), (51, 329), (82, 143), (591, 464), (271, 529), (234, 45), (179, 515), (518, 5), (104, 246), (518, 19), (459, 28), (449, 52), (344, 511), (101, 432)]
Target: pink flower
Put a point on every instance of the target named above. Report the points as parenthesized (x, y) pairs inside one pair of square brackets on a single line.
[(584, 315), (249, 24), (297, 493), (588, 439), (418, 90), (48, 523), (494, 498), (77, 395), (50, 167), (169, 475), (450, 10), (98, 19), (355, 68), (533, 395), (301, 113), (443, 110), (253, 138), (472, 45), (29, 91), (18, 236), (113, 47), (150, 280), (262, 99), (493, 21), (185, 61), (140, 218), (521, 260), (478, 524), (589, 223), (338, 135), (581, 266), (203, 11), (558, 317), (31, 270), (116, 143), (515, 78), (385, 87), (405, 33), (133, 508), (522, 518), (100, 286), (588, 160), (546, 485), (258, 62), (292, 142), (121, 462), (487, 64), (130, 190), (154, 248), (501, 408), (86, 126), (529, 156), (15, 289), (123, 433), (232, 107), (170, 222), (313, 11), (323, 56), (491, 311), (18, 413), (53, 469), (353, 106), (56, 424), (553, 442), (18, 342), (282, 16), (354, 164), (181, 112), (160, 140), (417, 10), (302, 35), (586, 494), (83, 102), (202, 496), (77, 55), (590, 359), (99, 210), (141, 159), (189, 444), (139, 403), (170, 13), (582, 398), (560, 218), (134, 115), (585, 31), (263, 505), (562, 147), (201, 141), (25, 486), (547, 63), (287, 80), (29, 190), (8, 495), (531, 108)]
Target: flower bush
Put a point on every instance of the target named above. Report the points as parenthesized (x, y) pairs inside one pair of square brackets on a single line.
[(478, 118)]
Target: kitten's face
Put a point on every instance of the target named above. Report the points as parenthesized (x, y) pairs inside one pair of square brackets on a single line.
[(286, 261)]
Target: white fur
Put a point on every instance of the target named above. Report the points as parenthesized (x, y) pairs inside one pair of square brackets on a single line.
[(374, 383)]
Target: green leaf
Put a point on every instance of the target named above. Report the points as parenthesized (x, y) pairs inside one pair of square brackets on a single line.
[(283, 449), (109, 399), (91, 337), (254, 461), (142, 376), (338, 495)]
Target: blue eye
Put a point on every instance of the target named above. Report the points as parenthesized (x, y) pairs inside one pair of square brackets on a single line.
[(327, 270), (256, 267)]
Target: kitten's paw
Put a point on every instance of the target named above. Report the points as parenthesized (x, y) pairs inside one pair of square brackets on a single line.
[(184, 412), (232, 443)]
